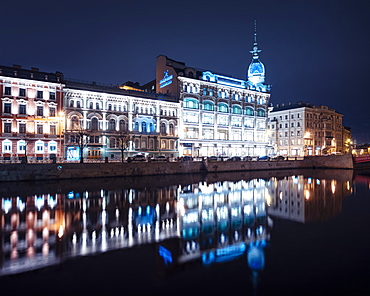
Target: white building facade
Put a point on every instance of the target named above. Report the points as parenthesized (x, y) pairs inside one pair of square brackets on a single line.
[(147, 123), (302, 129), (30, 112), (220, 115)]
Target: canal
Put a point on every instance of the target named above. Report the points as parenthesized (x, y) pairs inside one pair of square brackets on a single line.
[(287, 232)]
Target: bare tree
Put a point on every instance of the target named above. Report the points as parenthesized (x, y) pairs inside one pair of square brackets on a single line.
[(81, 138), (123, 143)]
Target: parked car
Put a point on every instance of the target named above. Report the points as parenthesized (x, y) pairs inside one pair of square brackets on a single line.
[(234, 158), (187, 158), (213, 158), (278, 157), (139, 157), (264, 157), (247, 158), (159, 158)]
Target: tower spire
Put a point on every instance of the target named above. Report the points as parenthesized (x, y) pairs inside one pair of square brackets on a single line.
[(255, 50)]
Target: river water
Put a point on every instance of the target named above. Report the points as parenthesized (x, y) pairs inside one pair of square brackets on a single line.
[(254, 233)]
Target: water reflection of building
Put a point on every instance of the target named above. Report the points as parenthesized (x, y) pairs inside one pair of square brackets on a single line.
[(204, 222), (303, 199)]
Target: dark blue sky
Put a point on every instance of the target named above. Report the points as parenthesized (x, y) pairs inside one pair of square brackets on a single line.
[(313, 51)]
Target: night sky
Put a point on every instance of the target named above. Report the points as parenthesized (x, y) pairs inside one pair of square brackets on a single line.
[(313, 51)]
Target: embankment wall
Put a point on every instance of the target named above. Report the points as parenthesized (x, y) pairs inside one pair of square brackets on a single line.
[(32, 172)]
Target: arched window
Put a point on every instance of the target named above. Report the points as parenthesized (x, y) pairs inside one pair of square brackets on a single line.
[(71, 103), (172, 129), (261, 112), (163, 128), (143, 127), (112, 125), (122, 125), (249, 111), (136, 128), (91, 105), (236, 109), (222, 107), (94, 124), (75, 123), (191, 103), (112, 142), (209, 106), (110, 107)]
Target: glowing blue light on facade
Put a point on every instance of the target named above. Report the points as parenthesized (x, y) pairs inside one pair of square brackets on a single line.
[(167, 80)]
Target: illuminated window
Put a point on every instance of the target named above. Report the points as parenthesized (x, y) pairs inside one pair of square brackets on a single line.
[(222, 107), (191, 103), (236, 109), (249, 111), (209, 106), (7, 146)]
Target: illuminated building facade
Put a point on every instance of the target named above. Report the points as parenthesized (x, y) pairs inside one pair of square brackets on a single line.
[(30, 112), (111, 119), (220, 115), (302, 129)]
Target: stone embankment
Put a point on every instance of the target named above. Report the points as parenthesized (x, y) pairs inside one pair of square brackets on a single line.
[(34, 172)]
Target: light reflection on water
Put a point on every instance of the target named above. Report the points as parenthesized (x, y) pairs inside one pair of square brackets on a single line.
[(214, 219), (202, 220)]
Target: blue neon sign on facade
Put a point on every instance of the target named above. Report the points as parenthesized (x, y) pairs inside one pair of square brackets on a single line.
[(167, 80)]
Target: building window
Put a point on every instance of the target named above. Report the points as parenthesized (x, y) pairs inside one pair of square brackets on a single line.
[(209, 106), (97, 106), (39, 147), (71, 103), (172, 129), (249, 111), (7, 108), (163, 128), (122, 125), (78, 104), (236, 109), (7, 127), (204, 91), (22, 128), (191, 103), (22, 92), (143, 127), (40, 111), (21, 147), (52, 147), (53, 129), (8, 91), (52, 112), (223, 108), (112, 142), (52, 96), (40, 128), (112, 125), (110, 107), (261, 113), (7, 146), (22, 109), (298, 133), (91, 105), (94, 124), (40, 94)]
